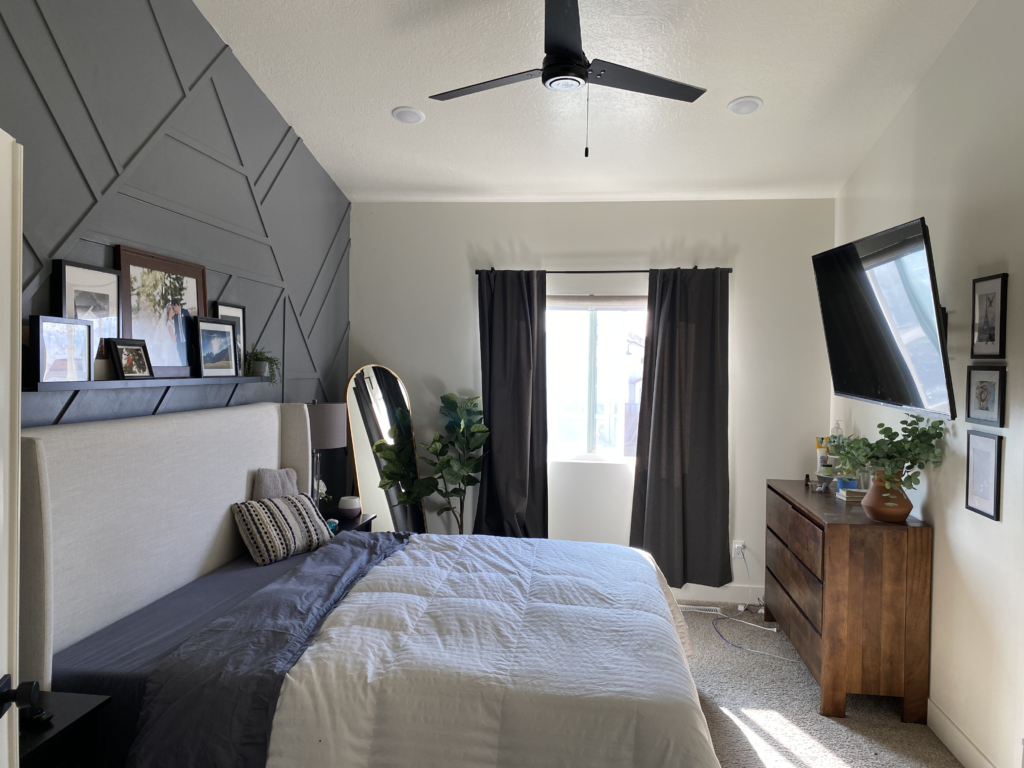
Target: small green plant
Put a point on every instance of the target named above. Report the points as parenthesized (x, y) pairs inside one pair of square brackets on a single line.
[(456, 457), (899, 457), (896, 458), (256, 355)]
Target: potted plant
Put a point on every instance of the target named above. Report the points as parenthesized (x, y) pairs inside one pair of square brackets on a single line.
[(456, 458), (259, 362), (896, 460), (458, 453)]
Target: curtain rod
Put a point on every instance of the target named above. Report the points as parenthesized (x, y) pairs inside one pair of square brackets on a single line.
[(727, 270)]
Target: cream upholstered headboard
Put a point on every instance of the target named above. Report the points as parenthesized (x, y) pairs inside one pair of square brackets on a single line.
[(117, 514)]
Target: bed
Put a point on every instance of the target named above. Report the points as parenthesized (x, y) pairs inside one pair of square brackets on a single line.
[(449, 650)]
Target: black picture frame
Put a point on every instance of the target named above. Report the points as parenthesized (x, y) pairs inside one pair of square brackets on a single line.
[(994, 476), (37, 349), (999, 411), (114, 348), (235, 311), (998, 324), (206, 370), (59, 284)]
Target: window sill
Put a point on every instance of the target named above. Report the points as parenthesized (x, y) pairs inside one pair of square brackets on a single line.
[(593, 458)]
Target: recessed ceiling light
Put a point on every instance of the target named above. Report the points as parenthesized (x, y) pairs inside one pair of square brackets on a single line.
[(745, 105), (408, 115)]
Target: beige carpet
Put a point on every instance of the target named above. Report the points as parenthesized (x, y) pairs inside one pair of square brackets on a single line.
[(764, 712)]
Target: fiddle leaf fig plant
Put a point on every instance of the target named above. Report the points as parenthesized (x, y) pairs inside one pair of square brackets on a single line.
[(457, 453), (896, 458), (456, 457)]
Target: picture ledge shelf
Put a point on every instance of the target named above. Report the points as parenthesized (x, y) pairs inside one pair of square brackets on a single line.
[(71, 386)]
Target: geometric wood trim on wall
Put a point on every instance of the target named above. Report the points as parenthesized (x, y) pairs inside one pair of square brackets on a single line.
[(141, 128)]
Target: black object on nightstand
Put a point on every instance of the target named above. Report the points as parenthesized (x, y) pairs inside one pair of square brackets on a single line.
[(71, 741), (361, 523)]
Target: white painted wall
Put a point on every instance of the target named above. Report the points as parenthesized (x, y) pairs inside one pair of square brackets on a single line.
[(414, 310), (955, 154)]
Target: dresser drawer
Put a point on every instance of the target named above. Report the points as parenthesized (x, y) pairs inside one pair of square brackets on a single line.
[(799, 631), (803, 586), (804, 538)]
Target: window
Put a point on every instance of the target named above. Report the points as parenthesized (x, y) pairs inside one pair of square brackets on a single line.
[(595, 370)]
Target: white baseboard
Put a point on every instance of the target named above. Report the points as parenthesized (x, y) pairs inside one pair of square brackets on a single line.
[(963, 749), (730, 593)]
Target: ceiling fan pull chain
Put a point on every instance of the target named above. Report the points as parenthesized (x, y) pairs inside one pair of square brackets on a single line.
[(586, 150)]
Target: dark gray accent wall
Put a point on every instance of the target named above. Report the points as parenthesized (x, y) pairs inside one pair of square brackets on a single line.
[(140, 127)]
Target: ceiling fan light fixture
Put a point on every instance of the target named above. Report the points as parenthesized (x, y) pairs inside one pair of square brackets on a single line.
[(408, 115), (745, 105)]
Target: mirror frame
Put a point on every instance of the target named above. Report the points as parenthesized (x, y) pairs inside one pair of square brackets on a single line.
[(351, 440)]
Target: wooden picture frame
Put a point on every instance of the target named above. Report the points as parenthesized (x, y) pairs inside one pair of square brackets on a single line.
[(984, 473), (223, 310), (78, 364), (116, 349), (85, 292), (988, 317), (209, 350), (165, 306), (986, 404)]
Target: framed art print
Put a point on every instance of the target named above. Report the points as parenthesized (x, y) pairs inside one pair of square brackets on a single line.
[(986, 395), (984, 472), (215, 347), (224, 311), (159, 298), (130, 358), (85, 292), (988, 332), (60, 348)]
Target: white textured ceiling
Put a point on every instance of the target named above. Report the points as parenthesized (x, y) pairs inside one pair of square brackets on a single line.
[(832, 73)]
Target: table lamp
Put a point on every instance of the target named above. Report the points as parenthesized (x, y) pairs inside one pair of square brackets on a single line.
[(328, 428)]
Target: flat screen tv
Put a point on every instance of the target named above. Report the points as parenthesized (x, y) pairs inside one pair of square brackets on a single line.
[(884, 326)]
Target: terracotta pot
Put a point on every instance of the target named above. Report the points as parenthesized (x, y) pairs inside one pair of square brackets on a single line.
[(892, 508)]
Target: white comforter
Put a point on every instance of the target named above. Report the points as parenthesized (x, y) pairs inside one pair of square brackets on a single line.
[(475, 651)]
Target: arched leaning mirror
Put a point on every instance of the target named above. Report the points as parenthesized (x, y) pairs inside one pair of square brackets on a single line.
[(379, 409)]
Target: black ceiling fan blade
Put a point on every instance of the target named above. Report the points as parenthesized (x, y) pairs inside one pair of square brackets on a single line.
[(626, 79), (562, 29), (507, 80)]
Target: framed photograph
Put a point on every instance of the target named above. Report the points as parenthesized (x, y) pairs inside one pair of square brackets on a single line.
[(215, 347), (984, 472), (61, 347), (988, 335), (130, 358), (225, 311), (85, 292), (986, 395), (159, 298)]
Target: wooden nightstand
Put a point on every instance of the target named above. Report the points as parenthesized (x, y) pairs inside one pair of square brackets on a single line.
[(361, 523), (71, 742)]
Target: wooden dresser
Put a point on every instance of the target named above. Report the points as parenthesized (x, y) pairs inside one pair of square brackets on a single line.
[(852, 595)]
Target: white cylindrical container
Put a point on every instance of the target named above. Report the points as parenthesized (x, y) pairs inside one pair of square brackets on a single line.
[(349, 506)]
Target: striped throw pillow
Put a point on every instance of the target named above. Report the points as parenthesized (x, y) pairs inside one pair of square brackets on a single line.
[(275, 529)]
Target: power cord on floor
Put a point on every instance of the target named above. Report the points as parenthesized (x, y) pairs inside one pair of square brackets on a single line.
[(714, 622)]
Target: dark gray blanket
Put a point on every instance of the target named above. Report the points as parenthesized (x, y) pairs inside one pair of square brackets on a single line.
[(212, 701)]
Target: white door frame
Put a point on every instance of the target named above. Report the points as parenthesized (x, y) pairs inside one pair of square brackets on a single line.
[(10, 425)]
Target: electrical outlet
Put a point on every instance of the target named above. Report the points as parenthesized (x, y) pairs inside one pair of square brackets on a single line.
[(738, 547)]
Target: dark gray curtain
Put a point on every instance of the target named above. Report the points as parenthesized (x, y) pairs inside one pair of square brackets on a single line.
[(513, 498), (681, 487)]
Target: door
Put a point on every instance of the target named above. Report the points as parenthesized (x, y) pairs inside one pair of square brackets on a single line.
[(10, 426)]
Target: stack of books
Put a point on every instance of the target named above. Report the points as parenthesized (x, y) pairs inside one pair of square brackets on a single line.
[(851, 494)]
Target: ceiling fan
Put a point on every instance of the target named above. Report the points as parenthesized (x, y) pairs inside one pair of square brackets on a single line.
[(566, 67)]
